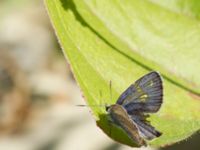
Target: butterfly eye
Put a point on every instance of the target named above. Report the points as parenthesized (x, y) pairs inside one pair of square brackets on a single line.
[(107, 107)]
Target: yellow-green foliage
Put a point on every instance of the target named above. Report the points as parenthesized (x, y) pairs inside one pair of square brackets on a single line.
[(121, 40)]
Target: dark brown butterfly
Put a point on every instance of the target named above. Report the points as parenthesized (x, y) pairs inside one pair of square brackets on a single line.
[(131, 108)]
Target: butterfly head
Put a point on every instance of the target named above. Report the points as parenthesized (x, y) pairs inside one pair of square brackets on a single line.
[(107, 107)]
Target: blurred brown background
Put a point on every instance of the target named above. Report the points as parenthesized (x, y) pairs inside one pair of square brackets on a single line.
[(38, 92)]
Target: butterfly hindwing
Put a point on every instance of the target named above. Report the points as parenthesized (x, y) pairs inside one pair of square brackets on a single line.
[(145, 95), (146, 130), (120, 117), (129, 112)]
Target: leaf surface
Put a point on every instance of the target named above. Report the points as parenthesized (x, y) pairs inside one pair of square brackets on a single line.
[(120, 41)]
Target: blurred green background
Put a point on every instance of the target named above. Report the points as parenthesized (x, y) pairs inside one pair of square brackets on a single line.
[(38, 93)]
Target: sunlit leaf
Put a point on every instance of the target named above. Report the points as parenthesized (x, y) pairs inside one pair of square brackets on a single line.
[(120, 41)]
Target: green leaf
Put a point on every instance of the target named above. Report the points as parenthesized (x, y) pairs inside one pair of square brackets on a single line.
[(120, 41), (190, 8)]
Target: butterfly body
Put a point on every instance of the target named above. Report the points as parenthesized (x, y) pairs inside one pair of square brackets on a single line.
[(121, 118), (132, 106)]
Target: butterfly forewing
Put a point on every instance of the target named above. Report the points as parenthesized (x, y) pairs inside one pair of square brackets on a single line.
[(129, 112), (144, 95)]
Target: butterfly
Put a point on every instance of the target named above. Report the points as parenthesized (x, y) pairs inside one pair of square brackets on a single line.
[(132, 107)]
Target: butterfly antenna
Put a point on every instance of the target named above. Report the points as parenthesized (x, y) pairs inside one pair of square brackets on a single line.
[(81, 105), (110, 86), (100, 97)]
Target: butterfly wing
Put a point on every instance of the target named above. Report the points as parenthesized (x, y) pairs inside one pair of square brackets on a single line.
[(145, 129), (145, 95), (120, 117)]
